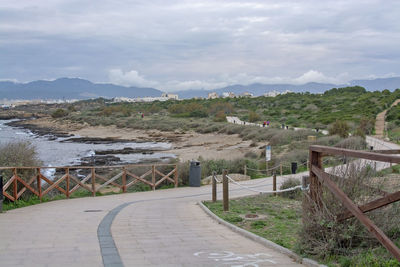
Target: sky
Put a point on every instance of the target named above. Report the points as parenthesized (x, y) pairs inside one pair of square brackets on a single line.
[(201, 44)]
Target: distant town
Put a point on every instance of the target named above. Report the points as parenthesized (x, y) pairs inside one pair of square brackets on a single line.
[(10, 103)]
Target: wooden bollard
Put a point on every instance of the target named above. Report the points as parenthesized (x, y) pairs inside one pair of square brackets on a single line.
[(225, 190), (274, 183), (214, 188)]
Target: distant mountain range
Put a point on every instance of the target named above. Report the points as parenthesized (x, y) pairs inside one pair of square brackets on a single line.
[(258, 89), (70, 88), (75, 88)]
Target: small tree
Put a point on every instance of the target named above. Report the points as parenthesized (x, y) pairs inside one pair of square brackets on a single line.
[(340, 128), (253, 117), (220, 116)]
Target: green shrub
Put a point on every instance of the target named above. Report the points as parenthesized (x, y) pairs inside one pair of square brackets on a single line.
[(220, 116), (340, 128), (354, 142), (289, 183), (19, 154), (58, 113), (253, 117)]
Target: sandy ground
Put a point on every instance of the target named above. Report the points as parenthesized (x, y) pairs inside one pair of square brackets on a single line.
[(186, 146)]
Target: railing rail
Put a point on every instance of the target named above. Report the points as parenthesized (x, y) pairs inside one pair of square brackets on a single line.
[(320, 178), (96, 178)]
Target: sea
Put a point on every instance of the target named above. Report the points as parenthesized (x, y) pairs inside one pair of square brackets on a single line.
[(56, 153)]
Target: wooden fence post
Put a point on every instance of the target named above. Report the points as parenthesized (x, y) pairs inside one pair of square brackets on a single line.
[(93, 182), (274, 183), (281, 169), (123, 180), (153, 177), (176, 176), (15, 185), (39, 184), (214, 187), (315, 184), (245, 170), (225, 190), (67, 181)]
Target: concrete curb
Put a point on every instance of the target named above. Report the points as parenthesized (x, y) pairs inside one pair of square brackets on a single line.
[(261, 240)]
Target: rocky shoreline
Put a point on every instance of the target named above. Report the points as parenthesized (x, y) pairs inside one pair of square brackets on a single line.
[(185, 145), (106, 157), (51, 133)]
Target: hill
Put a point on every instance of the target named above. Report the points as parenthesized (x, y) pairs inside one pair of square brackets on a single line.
[(75, 88), (70, 88)]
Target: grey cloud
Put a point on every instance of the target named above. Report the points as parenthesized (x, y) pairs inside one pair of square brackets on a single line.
[(198, 43)]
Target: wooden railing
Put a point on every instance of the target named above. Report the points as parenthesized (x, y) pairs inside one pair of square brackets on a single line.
[(320, 178), (66, 180)]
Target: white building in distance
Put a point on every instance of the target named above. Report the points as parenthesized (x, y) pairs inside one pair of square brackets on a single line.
[(170, 96), (212, 95), (246, 94), (228, 94), (276, 93), (163, 97)]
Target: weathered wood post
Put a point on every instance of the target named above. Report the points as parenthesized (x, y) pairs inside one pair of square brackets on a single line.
[(214, 187), (67, 181), (245, 170), (225, 190), (93, 182), (123, 180), (274, 182), (153, 177), (176, 176), (15, 185), (39, 184), (281, 167), (315, 184)]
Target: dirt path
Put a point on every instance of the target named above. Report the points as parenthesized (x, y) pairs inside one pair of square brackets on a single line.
[(380, 122)]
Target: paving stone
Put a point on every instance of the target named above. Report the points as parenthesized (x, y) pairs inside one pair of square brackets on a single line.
[(165, 228)]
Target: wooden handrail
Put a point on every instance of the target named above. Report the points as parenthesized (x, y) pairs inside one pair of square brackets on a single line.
[(85, 167), (325, 150), (320, 178)]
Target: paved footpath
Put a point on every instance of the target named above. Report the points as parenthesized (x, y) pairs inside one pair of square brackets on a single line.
[(161, 228)]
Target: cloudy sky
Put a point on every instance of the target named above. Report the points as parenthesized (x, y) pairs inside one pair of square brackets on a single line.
[(177, 44)]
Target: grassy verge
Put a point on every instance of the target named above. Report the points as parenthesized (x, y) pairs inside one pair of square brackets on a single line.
[(279, 220), (274, 218)]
